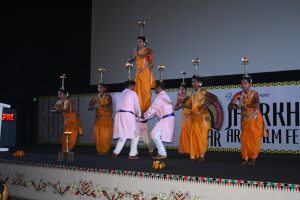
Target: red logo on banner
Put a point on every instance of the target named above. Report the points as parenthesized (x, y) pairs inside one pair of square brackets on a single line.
[(8, 117)]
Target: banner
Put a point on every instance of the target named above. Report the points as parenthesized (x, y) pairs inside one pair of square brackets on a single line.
[(280, 108), (279, 103)]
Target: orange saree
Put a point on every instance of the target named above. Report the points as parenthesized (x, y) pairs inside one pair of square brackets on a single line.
[(144, 78), (252, 124), (184, 141), (71, 123), (200, 124), (103, 127)]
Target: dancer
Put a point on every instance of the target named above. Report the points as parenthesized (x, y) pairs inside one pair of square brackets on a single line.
[(144, 59), (103, 126), (200, 120), (184, 141), (163, 130), (252, 123), (72, 123), (125, 127), (144, 79)]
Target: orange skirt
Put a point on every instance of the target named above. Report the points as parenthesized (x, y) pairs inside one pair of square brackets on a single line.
[(251, 136), (184, 141), (103, 130), (199, 135), (144, 82)]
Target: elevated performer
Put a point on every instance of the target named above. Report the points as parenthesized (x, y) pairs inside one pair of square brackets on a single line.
[(144, 79)]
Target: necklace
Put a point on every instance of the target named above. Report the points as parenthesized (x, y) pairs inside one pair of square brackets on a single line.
[(245, 95), (195, 91)]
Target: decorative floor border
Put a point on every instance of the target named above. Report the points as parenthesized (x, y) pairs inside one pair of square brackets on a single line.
[(167, 177)]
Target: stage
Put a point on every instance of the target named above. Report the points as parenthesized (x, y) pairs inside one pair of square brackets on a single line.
[(40, 174)]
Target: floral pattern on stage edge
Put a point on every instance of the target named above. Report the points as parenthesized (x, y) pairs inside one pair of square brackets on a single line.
[(87, 188)]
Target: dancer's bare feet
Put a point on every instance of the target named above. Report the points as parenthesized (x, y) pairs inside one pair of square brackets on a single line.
[(251, 161), (244, 162), (201, 159)]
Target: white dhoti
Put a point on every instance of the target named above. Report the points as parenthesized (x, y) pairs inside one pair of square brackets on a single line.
[(133, 146), (156, 137)]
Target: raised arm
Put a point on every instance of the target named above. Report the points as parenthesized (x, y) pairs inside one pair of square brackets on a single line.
[(93, 102), (233, 103), (182, 103), (188, 103), (178, 104), (57, 107)]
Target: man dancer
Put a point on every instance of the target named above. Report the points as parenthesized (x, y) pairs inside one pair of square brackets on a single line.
[(125, 127), (163, 130)]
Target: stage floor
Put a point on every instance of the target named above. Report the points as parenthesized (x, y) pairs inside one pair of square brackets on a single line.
[(278, 168)]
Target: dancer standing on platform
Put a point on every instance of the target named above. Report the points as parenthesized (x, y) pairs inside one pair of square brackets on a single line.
[(103, 127), (72, 123), (144, 59), (182, 98), (144, 79), (252, 123), (163, 130), (125, 127), (200, 120)]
